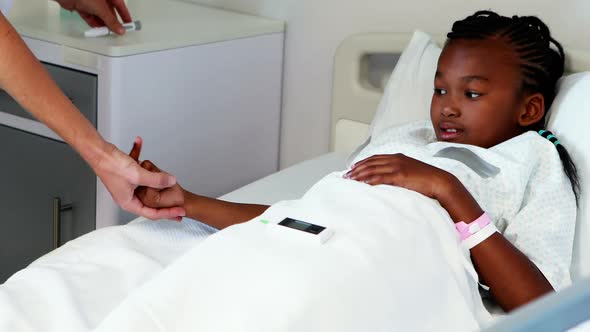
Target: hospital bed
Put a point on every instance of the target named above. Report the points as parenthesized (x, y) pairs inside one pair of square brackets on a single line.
[(360, 76), (363, 64)]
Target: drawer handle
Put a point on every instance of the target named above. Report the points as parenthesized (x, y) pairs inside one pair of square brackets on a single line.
[(57, 210)]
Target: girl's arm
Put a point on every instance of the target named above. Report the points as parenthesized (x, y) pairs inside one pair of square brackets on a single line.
[(513, 279), (213, 212), (217, 213)]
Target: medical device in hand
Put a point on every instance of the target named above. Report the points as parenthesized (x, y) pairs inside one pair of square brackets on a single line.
[(104, 31), (302, 230)]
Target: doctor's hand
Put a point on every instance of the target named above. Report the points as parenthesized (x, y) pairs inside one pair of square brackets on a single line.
[(165, 199), (99, 13), (121, 175)]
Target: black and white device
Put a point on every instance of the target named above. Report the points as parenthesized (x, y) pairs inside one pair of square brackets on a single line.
[(303, 230)]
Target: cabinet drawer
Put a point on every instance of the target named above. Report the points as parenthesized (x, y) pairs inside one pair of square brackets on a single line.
[(79, 86)]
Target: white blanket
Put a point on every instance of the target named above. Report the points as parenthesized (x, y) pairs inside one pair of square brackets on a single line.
[(393, 264), (74, 287)]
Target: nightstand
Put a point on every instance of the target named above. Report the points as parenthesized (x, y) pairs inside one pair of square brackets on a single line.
[(202, 86)]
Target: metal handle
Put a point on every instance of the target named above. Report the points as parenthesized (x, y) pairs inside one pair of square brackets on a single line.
[(57, 210)]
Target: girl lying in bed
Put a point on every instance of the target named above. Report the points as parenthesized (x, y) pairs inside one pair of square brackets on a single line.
[(485, 158)]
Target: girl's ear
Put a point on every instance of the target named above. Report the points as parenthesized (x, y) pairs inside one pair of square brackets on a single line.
[(533, 110)]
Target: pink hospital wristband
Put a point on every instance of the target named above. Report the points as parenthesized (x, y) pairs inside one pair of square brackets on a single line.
[(475, 232)]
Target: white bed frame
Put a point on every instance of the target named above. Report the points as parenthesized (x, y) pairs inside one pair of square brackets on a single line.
[(355, 100)]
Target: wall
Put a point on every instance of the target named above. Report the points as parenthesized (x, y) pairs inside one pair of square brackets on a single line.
[(316, 27)]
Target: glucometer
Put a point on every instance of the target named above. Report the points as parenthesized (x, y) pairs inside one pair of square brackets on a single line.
[(302, 230)]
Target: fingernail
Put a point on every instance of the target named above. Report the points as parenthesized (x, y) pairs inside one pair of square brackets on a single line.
[(171, 180)]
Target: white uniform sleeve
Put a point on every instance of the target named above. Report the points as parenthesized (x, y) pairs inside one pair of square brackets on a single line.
[(544, 227)]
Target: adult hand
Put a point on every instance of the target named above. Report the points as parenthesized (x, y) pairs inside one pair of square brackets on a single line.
[(99, 13), (173, 196), (121, 174)]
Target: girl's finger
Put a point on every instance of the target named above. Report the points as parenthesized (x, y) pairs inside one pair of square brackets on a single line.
[(373, 171), (375, 160), (136, 149), (379, 165), (147, 164)]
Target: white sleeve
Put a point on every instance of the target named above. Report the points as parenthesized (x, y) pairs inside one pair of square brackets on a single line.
[(544, 227)]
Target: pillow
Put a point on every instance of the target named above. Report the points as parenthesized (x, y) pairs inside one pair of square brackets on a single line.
[(567, 122), (410, 86)]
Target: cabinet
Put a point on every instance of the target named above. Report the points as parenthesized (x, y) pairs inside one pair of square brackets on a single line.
[(38, 176), (34, 171), (202, 86)]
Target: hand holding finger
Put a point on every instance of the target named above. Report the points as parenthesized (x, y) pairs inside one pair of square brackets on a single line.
[(156, 214)]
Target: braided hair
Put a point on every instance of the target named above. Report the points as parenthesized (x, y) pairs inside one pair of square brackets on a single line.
[(540, 64)]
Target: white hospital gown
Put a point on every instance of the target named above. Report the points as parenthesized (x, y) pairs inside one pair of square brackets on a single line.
[(529, 197)]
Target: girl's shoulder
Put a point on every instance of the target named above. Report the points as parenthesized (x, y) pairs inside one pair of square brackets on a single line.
[(530, 148)]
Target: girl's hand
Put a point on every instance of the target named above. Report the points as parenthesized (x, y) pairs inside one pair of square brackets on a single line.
[(402, 171), (168, 202), (161, 199), (121, 175)]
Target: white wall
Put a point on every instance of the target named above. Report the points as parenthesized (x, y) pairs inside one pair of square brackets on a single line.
[(316, 27)]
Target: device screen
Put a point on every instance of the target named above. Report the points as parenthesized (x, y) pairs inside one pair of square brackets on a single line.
[(301, 225)]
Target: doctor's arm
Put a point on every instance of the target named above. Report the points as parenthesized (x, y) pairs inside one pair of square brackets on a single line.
[(25, 79)]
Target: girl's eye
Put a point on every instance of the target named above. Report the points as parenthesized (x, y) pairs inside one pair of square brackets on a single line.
[(472, 95), (440, 91)]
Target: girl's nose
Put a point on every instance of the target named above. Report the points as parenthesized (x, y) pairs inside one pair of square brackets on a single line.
[(450, 111)]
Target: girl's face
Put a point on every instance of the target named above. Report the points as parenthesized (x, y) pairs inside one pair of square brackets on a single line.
[(477, 98)]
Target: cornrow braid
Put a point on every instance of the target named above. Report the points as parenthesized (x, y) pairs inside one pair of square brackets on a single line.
[(541, 59), (569, 167)]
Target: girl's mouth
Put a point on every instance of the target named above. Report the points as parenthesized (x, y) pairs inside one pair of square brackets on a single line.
[(449, 134)]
